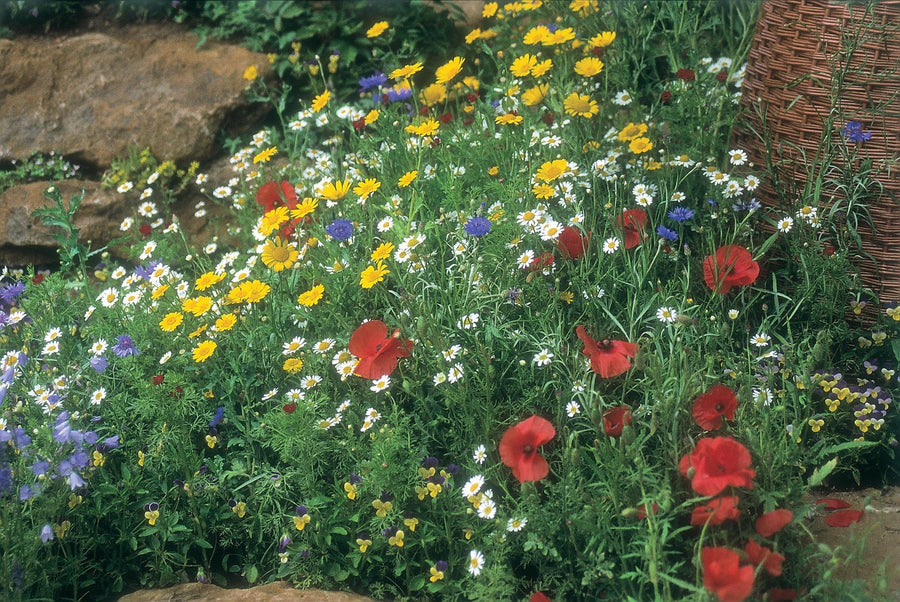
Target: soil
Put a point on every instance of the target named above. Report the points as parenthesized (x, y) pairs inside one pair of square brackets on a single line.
[(868, 551)]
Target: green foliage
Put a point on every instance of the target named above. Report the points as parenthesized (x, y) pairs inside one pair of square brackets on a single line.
[(247, 448), (35, 168)]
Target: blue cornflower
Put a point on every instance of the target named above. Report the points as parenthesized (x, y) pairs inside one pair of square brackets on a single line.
[(666, 233), (99, 364), (478, 226), (10, 292), (125, 346), (751, 205), (373, 81), (340, 229), (217, 417), (681, 214), (395, 94), (854, 133)]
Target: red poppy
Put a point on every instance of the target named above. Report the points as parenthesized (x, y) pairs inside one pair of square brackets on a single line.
[(377, 352), (616, 419), (518, 448), (777, 594), (544, 260), (685, 74), (608, 358), (716, 511), (717, 463), (642, 510), (722, 575), (573, 243), (665, 97), (158, 379), (712, 406), (632, 222), (831, 503), (539, 597), (761, 555), (271, 195), (772, 522), (844, 518), (731, 266), (289, 408)]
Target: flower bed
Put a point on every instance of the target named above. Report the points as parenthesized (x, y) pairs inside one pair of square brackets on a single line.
[(500, 329)]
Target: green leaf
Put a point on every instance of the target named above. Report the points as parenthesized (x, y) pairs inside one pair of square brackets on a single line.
[(203, 543), (833, 449), (823, 471), (417, 583), (251, 574)]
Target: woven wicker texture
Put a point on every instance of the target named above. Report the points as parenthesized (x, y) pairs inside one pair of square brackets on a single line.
[(791, 74)]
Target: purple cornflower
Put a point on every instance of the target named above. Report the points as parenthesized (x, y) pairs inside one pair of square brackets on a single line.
[(373, 81), (854, 133), (394, 94), (478, 226), (10, 292), (125, 346), (99, 364), (340, 229), (680, 214), (666, 233)]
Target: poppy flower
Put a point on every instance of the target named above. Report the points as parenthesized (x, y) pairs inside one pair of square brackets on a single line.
[(539, 597), (542, 261), (772, 522), (608, 358), (573, 243), (642, 510), (723, 576), (731, 266), (377, 352), (632, 222), (709, 409), (271, 195), (716, 511), (831, 503), (518, 448), (844, 518), (289, 408), (717, 463), (616, 419), (761, 555)]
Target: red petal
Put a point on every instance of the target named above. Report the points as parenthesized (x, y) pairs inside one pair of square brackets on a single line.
[(539, 597), (772, 522), (831, 503), (532, 433), (365, 339), (844, 518)]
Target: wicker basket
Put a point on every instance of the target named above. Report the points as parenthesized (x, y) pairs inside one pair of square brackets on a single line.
[(789, 78)]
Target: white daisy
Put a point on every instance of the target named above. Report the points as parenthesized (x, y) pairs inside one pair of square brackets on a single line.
[(666, 314), (543, 357), (480, 454), (476, 562), (572, 408)]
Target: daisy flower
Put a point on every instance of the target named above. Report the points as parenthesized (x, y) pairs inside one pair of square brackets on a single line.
[(480, 454), (572, 408), (476, 562), (514, 525), (380, 384), (666, 314), (543, 357), (472, 486), (760, 339)]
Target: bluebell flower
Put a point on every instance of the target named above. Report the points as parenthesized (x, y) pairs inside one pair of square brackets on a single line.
[(6, 480), (125, 346), (46, 534), (80, 459), (478, 226), (681, 214), (40, 467), (90, 437), (26, 492), (854, 133), (666, 233), (340, 229), (20, 438)]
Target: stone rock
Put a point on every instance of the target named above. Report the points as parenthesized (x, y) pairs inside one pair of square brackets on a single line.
[(279, 591), (24, 240), (92, 95)]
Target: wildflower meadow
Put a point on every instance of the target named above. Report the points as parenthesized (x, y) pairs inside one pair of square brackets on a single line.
[(513, 325)]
